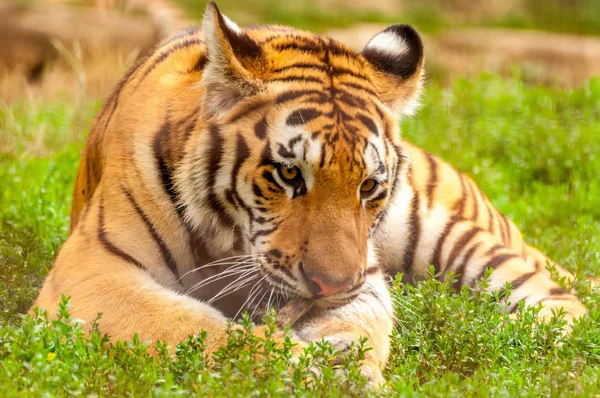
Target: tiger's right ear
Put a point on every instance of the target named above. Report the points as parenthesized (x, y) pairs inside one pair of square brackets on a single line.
[(234, 60)]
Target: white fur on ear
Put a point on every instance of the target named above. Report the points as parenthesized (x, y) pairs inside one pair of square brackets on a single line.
[(390, 43), (232, 25)]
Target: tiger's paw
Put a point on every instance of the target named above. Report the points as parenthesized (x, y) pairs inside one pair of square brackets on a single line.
[(298, 345), (346, 344)]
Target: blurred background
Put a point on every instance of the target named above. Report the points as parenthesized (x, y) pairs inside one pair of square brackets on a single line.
[(78, 49)]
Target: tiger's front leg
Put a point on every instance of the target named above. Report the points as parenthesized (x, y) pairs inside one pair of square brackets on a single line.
[(369, 315)]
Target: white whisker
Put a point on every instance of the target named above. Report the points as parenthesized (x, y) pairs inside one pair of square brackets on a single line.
[(250, 296), (234, 285), (222, 262), (227, 273), (258, 303), (269, 299)]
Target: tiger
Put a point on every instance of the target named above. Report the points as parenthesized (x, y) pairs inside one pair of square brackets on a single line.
[(235, 169)]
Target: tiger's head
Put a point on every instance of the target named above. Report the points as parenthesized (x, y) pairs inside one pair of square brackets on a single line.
[(301, 151)]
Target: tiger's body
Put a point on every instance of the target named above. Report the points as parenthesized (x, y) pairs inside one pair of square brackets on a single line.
[(279, 150)]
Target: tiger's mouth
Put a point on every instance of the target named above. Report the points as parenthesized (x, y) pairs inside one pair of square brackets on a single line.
[(291, 292), (246, 284)]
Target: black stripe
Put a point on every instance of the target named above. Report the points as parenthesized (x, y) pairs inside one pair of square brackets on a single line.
[(492, 250), (292, 95), (108, 245), (490, 217), (266, 157), (284, 152), (301, 66), (159, 149), (507, 229), (264, 232), (262, 220), (290, 79), (260, 128), (413, 235), (241, 155), (369, 124), (167, 256), (165, 54), (395, 178), (502, 226), (433, 179), (294, 141), (246, 110), (200, 64), (351, 99), (257, 191), (303, 46), (495, 262), (475, 207), (338, 70), (437, 254), (360, 87), (267, 175), (462, 242), (518, 282), (460, 204), (460, 270), (380, 196), (557, 291), (302, 116), (214, 164)]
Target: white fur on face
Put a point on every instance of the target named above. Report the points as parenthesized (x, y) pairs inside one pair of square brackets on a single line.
[(374, 157), (307, 151)]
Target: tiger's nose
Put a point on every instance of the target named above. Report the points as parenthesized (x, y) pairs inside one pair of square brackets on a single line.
[(323, 289)]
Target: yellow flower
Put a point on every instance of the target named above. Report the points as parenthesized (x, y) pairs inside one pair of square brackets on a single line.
[(51, 356)]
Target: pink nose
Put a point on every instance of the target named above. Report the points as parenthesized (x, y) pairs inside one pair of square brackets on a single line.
[(326, 289)]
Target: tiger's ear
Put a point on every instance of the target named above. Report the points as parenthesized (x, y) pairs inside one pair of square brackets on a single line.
[(234, 60), (396, 55)]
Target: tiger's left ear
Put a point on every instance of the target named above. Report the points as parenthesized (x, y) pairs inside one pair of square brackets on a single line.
[(396, 55), (234, 62)]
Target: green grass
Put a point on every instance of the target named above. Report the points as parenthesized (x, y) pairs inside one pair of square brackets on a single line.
[(533, 150)]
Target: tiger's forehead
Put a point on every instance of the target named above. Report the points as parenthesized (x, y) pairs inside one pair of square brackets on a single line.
[(286, 48), (325, 110)]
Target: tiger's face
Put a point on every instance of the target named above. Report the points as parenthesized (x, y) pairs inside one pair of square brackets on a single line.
[(304, 146)]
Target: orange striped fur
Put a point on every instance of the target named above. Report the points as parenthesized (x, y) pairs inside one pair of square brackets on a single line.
[(235, 168)]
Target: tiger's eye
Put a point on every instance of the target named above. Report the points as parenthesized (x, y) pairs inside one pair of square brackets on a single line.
[(368, 186), (289, 172)]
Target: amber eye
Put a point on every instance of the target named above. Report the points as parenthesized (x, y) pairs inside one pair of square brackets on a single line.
[(289, 173), (368, 186)]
